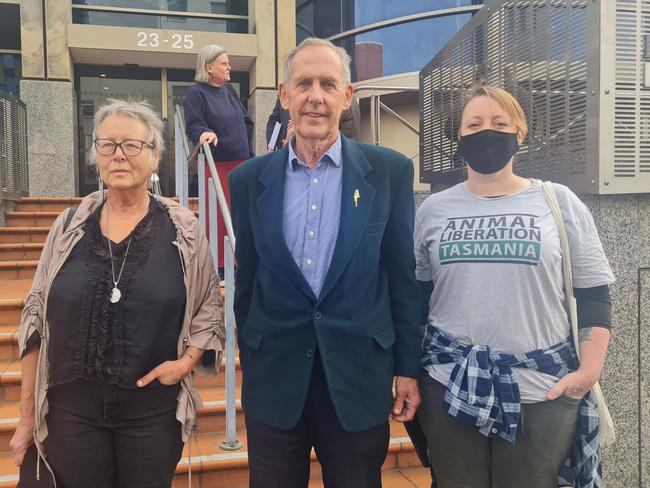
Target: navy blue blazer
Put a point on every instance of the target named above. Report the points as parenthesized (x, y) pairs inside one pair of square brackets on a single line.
[(365, 321)]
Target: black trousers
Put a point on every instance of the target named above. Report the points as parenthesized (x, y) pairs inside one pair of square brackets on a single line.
[(279, 458), (109, 437)]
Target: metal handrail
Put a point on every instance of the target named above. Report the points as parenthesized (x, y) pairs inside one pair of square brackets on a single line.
[(386, 88), (216, 201), (221, 196), (431, 14), (181, 152), (376, 106)]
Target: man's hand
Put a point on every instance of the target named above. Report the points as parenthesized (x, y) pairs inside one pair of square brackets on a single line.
[(169, 372), (407, 399), (209, 137), (22, 439)]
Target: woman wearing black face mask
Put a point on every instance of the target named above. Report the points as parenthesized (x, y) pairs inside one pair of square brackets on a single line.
[(501, 391)]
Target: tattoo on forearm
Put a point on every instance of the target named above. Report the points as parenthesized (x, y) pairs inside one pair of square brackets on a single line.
[(584, 335)]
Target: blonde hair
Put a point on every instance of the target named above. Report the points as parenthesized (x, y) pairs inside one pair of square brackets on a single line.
[(503, 98), (136, 109), (206, 55)]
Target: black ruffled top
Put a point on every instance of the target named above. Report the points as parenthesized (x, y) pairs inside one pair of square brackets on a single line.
[(117, 343)]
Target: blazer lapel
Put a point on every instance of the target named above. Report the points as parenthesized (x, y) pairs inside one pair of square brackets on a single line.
[(270, 206), (354, 213)]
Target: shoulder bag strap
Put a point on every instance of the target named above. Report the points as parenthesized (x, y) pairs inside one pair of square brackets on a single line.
[(68, 218), (554, 205), (606, 425)]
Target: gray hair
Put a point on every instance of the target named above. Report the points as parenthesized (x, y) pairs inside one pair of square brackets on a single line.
[(341, 53), (136, 109), (206, 56)]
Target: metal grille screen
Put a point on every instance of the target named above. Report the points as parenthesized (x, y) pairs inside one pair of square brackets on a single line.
[(13, 146), (632, 100), (581, 71), (537, 50)]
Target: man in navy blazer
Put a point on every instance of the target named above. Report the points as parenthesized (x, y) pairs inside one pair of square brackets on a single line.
[(326, 299)]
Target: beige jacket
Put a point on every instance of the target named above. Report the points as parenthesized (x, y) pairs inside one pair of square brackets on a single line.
[(202, 325)]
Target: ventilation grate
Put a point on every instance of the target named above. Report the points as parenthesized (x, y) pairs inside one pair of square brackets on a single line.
[(537, 50), (632, 102)]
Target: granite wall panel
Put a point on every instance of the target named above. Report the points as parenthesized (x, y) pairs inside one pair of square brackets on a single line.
[(52, 142)]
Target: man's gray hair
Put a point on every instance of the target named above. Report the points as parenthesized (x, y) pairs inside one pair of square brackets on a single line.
[(206, 56), (341, 53), (136, 109)]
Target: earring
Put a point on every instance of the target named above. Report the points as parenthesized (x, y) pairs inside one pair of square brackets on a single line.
[(101, 185), (155, 184)]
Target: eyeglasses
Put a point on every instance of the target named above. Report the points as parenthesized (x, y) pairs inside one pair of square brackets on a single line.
[(130, 147)]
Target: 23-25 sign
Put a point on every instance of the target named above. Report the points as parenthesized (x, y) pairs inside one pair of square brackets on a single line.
[(153, 39)]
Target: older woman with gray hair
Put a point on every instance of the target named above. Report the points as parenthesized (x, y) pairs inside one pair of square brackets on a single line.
[(215, 114), (123, 307)]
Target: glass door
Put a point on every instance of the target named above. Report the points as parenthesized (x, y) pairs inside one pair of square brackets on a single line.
[(97, 84), (178, 82)]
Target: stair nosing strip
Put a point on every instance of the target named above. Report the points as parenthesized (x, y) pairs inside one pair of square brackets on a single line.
[(243, 454)]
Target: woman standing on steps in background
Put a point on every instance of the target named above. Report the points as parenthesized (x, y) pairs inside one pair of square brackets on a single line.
[(110, 332), (215, 114), (498, 362)]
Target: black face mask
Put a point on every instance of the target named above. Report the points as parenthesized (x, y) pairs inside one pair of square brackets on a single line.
[(488, 151)]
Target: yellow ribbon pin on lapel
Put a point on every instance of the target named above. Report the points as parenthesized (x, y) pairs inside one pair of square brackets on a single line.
[(356, 197)]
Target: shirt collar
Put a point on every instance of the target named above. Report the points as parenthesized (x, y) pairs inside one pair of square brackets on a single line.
[(334, 154)]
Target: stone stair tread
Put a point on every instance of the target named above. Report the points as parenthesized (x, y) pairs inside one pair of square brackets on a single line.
[(50, 200), (31, 213), (21, 245), (8, 331), (18, 264), (24, 229), (14, 289), (9, 366)]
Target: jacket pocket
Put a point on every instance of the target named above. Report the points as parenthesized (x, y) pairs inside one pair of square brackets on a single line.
[(374, 228), (385, 338), (251, 337)]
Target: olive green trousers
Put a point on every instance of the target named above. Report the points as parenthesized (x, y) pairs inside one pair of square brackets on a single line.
[(461, 457)]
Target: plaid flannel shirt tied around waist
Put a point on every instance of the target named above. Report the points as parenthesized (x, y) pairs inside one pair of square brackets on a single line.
[(483, 392)]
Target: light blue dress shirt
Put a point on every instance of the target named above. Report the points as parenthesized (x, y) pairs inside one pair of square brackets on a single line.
[(312, 212)]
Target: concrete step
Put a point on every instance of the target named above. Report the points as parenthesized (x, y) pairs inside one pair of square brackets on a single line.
[(21, 251), (8, 343), (10, 309), (16, 235), (17, 270), (30, 219), (36, 204)]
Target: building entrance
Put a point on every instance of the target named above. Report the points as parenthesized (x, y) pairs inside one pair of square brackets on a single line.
[(163, 88)]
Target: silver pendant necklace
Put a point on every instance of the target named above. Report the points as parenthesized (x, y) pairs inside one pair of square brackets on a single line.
[(116, 294)]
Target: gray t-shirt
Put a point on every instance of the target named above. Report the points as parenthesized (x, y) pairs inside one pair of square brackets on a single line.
[(496, 266)]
